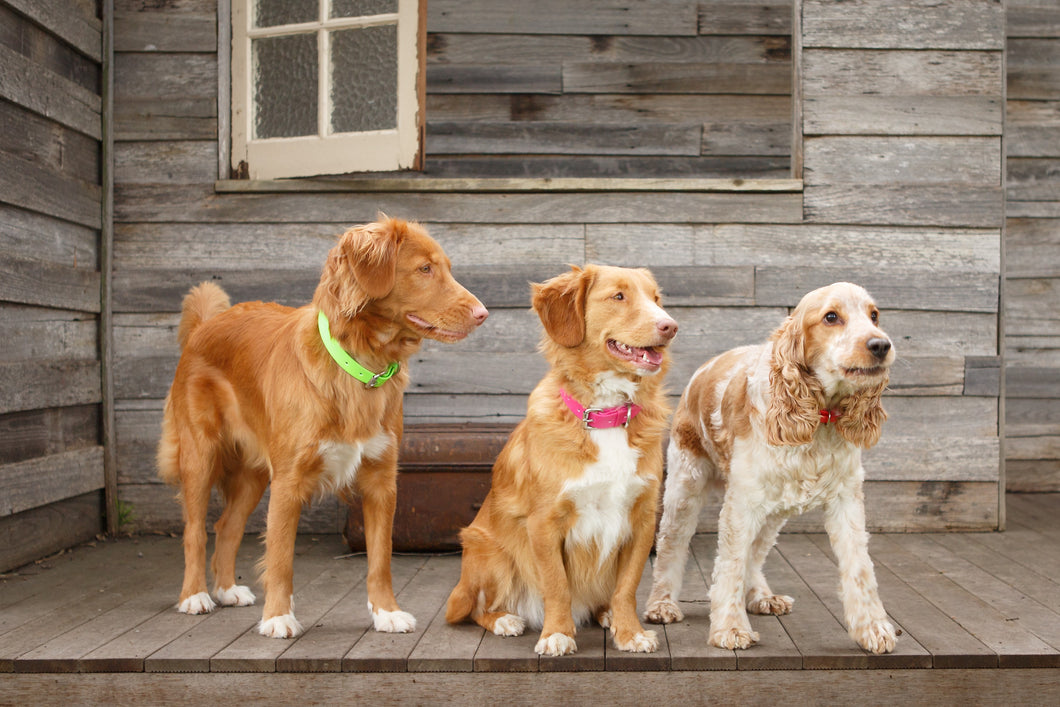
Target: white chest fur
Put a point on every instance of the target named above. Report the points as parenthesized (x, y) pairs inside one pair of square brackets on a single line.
[(343, 459), (604, 493)]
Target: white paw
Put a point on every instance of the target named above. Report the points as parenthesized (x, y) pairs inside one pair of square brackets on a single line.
[(556, 644), (646, 642), (509, 625), (392, 621), (285, 626), (876, 637), (236, 595), (663, 611), (200, 603), (773, 604), (604, 618), (731, 638)]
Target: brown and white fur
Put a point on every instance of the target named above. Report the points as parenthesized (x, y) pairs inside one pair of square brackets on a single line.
[(567, 526), (749, 424), (257, 399)]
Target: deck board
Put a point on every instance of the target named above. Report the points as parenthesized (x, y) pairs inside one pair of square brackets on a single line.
[(962, 600)]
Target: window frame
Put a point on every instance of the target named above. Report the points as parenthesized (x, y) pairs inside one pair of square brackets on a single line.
[(326, 153)]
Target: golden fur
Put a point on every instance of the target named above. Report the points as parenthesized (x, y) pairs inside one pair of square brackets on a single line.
[(537, 551), (257, 399), (749, 424)]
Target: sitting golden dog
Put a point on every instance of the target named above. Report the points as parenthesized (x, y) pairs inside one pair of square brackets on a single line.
[(308, 399), (779, 428), (568, 523)]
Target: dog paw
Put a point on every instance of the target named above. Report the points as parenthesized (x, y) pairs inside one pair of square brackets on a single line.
[(393, 621), (556, 644), (641, 642), (604, 618), (663, 611), (200, 603), (773, 604), (285, 626), (509, 625), (733, 638), (236, 595), (875, 637)]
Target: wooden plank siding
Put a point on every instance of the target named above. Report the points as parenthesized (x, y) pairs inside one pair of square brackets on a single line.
[(901, 191), (1032, 247), (51, 457)]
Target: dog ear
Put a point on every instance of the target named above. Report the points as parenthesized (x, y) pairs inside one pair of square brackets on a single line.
[(795, 393), (861, 416), (361, 267), (371, 251), (560, 303)]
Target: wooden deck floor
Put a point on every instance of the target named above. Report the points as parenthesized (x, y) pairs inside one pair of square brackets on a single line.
[(985, 606)]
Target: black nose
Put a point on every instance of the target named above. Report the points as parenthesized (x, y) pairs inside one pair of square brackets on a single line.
[(879, 347)]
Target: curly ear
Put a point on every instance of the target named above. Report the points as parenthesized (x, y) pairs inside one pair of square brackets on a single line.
[(861, 416), (363, 265), (795, 393), (560, 303)]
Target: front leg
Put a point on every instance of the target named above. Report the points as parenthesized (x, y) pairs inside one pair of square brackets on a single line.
[(377, 484), (281, 527), (626, 629), (738, 526), (546, 530), (865, 616)]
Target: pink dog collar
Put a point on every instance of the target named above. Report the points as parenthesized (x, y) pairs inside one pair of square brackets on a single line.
[(600, 418), (829, 416)]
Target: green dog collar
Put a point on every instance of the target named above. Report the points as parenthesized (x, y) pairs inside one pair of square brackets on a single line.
[(370, 380)]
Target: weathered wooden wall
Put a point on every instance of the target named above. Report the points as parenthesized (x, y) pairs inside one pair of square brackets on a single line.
[(1032, 244), (902, 104), (632, 89), (51, 461)]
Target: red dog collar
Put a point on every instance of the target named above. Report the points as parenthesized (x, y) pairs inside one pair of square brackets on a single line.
[(828, 416), (600, 418)]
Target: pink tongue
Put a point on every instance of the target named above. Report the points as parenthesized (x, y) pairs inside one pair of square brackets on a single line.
[(653, 357)]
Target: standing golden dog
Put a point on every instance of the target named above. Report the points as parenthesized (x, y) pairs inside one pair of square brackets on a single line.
[(779, 428), (567, 526), (307, 399)]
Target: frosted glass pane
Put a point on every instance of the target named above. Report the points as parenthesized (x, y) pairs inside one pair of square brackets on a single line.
[(285, 86), (364, 79), (360, 8), (270, 13)]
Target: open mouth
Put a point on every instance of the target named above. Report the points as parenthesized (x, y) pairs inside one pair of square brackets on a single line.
[(435, 332), (647, 357)]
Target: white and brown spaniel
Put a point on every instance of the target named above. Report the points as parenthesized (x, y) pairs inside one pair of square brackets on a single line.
[(779, 429)]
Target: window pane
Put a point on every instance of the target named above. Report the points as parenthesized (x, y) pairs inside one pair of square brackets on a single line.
[(285, 86), (364, 79), (360, 8), (270, 13)]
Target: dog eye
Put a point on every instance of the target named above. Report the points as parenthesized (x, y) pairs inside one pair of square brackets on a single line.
[(618, 296), (875, 316), (425, 268), (831, 317)]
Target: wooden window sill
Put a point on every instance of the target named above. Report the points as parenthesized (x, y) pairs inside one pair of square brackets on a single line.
[(504, 185)]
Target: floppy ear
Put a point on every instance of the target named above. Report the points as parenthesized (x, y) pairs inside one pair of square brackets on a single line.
[(861, 416), (795, 393), (560, 302), (363, 265)]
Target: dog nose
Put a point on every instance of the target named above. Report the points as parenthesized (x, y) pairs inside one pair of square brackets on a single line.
[(667, 327), (879, 347), (479, 314)]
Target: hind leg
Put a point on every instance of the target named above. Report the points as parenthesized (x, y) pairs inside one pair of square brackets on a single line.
[(683, 498), (760, 598), (242, 490), (198, 469), (476, 594)]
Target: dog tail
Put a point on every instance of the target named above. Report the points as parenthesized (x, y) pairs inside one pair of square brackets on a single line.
[(202, 302), (460, 604)]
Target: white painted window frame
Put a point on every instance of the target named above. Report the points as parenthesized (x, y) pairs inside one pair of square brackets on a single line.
[(326, 152)]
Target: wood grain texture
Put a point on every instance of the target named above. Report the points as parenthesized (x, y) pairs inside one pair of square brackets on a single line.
[(920, 24)]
